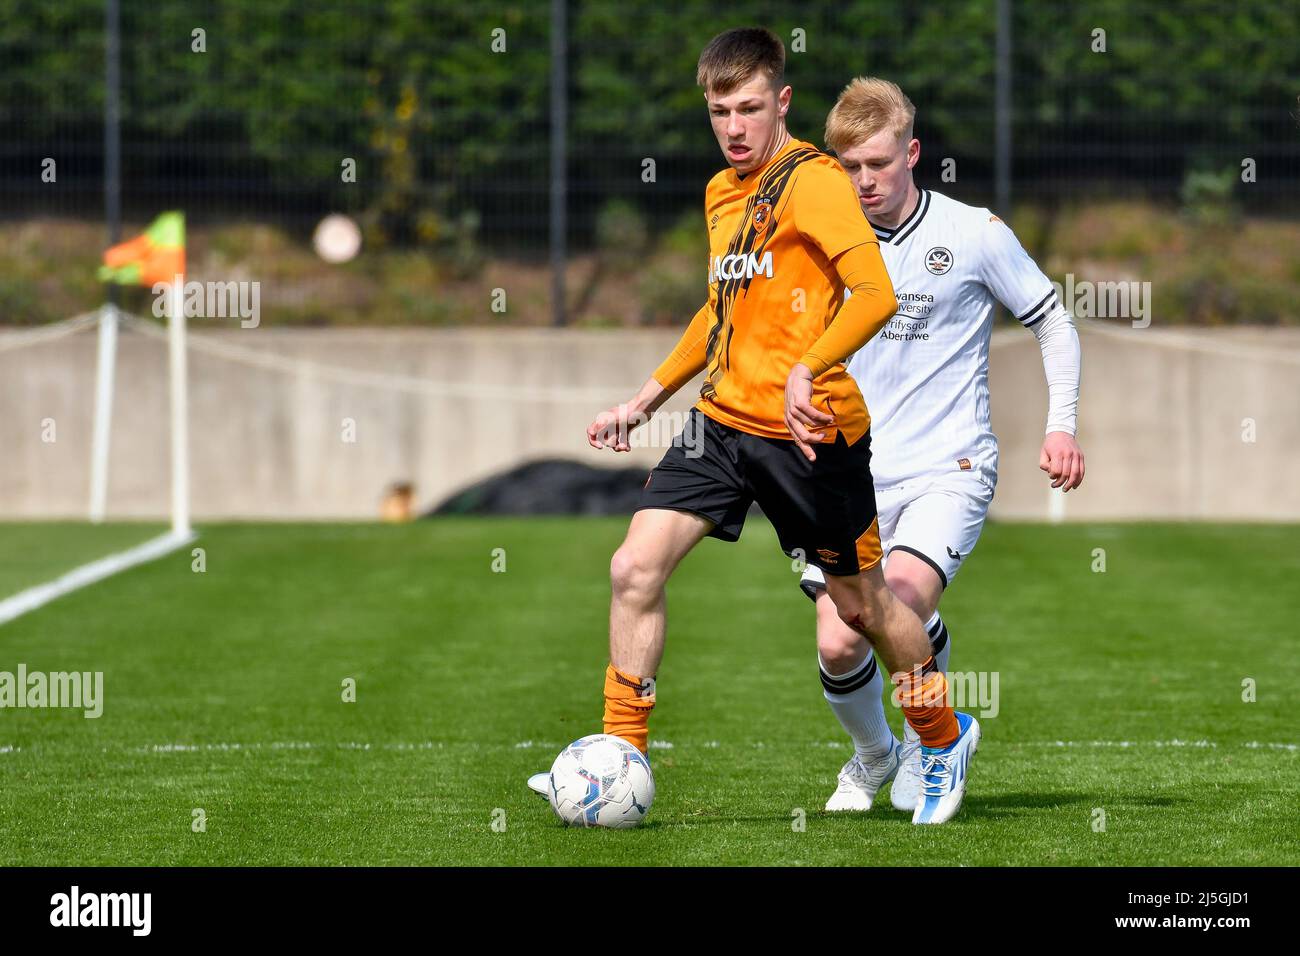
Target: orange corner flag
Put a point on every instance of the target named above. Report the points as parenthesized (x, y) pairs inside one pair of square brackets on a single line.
[(156, 256)]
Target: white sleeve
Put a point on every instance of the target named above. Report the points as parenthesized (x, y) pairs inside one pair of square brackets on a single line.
[(1059, 341), (1020, 285), (1011, 275)]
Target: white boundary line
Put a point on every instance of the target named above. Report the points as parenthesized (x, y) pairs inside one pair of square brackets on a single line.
[(42, 594), (228, 746)]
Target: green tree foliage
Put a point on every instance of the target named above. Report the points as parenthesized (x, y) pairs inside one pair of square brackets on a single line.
[(440, 124)]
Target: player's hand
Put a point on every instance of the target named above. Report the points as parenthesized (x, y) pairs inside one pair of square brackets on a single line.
[(801, 418), (1062, 459), (613, 427)]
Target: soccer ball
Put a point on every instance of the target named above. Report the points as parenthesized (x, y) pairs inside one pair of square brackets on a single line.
[(601, 781)]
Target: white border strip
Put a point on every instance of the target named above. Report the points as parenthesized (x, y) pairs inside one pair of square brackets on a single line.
[(555, 746), (42, 594)]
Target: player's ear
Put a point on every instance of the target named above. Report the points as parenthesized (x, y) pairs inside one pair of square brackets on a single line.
[(783, 99), (913, 153)]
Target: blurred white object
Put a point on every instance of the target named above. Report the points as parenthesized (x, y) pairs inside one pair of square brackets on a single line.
[(337, 238)]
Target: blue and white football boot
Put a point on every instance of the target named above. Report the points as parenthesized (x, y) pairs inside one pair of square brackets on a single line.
[(943, 774)]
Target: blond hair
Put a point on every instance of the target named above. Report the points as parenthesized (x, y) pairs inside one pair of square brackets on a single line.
[(865, 107), (731, 58)]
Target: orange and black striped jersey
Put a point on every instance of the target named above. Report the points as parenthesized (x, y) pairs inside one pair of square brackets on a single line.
[(774, 291)]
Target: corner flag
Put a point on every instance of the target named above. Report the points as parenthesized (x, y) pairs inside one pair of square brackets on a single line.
[(156, 256)]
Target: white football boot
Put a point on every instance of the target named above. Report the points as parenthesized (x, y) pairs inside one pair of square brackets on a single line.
[(943, 773), (860, 781), (540, 783), (907, 785)]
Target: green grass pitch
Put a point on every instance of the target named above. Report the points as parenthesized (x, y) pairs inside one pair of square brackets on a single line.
[(1120, 692)]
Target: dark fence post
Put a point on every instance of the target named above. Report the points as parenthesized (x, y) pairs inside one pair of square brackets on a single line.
[(1002, 114), (559, 157)]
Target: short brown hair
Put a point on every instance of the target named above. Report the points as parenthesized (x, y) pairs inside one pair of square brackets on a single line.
[(733, 57), (865, 107)]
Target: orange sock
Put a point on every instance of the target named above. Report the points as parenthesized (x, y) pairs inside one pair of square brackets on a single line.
[(628, 702), (923, 694)]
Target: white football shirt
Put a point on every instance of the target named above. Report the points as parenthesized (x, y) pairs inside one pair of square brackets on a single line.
[(925, 375)]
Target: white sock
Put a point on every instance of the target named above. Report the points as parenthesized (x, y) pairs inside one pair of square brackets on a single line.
[(855, 699), (939, 638)]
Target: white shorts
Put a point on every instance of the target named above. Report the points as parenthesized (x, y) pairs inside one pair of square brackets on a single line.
[(937, 518)]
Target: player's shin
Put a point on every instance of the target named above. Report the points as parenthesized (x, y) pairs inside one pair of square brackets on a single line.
[(922, 692), (855, 700), (628, 702)]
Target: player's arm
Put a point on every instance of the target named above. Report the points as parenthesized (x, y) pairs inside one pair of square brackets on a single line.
[(1020, 285), (611, 428), (1061, 457), (861, 315), (859, 318), (827, 215)]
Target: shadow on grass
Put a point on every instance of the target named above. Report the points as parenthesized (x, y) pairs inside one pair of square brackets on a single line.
[(974, 807), (1009, 804)]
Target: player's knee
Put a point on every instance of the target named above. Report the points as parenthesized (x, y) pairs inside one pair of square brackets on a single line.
[(632, 577), (839, 648), (909, 592)]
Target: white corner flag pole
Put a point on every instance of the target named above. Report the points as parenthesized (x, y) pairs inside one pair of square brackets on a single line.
[(181, 534), (179, 409), (103, 412)]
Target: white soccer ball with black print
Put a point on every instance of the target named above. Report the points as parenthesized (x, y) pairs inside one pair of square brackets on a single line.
[(601, 781)]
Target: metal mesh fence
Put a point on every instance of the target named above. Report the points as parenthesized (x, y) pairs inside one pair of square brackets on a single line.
[(253, 109)]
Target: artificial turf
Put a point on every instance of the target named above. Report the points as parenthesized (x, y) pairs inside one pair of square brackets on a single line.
[(1120, 692)]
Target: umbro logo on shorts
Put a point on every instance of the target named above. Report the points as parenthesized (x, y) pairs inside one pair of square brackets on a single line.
[(827, 555)]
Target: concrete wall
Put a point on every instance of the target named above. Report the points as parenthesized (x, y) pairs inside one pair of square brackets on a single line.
[(1162, 419)]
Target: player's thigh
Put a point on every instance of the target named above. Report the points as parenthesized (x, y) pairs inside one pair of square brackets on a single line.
[(889, 505), (889, 508), (914, 582), (701, 474), (940, 527), (657, 539), (823, 511)]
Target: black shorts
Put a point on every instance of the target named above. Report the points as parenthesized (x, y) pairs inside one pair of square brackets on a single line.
[(824, 511)]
